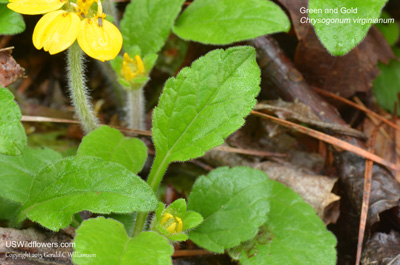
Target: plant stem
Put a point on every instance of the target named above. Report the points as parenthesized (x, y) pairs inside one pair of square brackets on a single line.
[(156, 174), (109, 8), (135, 109), (78, 89)]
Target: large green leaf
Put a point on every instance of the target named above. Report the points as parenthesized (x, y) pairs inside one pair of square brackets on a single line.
[(386, 85), (234, 204), (341, 36), (111, 145), (17, 172), (147, 23), (293, 234), (227, 21), (205, 103), (108, 241), (85, 183), (12, 134), (10, 21)]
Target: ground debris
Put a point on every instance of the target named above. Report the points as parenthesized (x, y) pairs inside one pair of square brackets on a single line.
[(382, 249), (33, 247)]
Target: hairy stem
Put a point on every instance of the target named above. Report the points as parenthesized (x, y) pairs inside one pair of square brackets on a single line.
[(135, 109), (109, 8), (157, 172), (78, 89)]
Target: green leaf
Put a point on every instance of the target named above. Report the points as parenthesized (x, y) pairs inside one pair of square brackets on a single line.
[(386, 85), (12, 134), (8, 209), (128, 220), (227, 21), (147, 23), (205, 103), (107, 239), (10, 22), (84, 183), (234, 204), (391, 31), (111, 145), (18, 172), (339, 38), (293, 234)]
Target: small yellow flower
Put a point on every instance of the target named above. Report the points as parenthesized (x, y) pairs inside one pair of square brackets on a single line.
[(132, 67), (58, 29), (172, 224)]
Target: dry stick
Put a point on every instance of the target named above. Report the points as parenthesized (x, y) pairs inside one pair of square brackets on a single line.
[(357, 106), (55, 120), (366, 194), (191, 253), (329, 139), (394, 146), (375, 121), (148, 133)]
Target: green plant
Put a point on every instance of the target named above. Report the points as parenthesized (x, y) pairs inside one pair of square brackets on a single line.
[(237, 210), (197, 110), (10, 22)]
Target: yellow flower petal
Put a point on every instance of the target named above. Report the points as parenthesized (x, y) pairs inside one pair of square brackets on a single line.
[(56, 31), (35, 7), (140, 64), (179, 224), (100, 41)]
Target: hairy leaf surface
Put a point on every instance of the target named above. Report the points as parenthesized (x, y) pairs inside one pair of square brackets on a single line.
[(234, 204), (147, 23), (347, 32), (85, 183), (12, 134), (293, 234), (17, 172), (111, 145), (227, 21), (205, 103), (107, 239)]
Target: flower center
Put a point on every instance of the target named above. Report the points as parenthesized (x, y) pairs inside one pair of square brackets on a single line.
[(172, 224), (132, 67)]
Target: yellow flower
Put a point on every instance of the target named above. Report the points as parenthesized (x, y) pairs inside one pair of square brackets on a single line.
[(172, 224), (132, 67), (99, 39), (58, 29), (50, 31), (35, 7)]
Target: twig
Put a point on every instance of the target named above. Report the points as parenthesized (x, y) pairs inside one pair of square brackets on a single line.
[(329, 139), (375, 120), (357, 106), (148, 133), (191, 252), (366, 194)]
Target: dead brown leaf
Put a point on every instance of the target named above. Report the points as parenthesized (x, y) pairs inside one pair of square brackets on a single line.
[(10, 70), (345, 75), (382, 249), (297, 111)]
